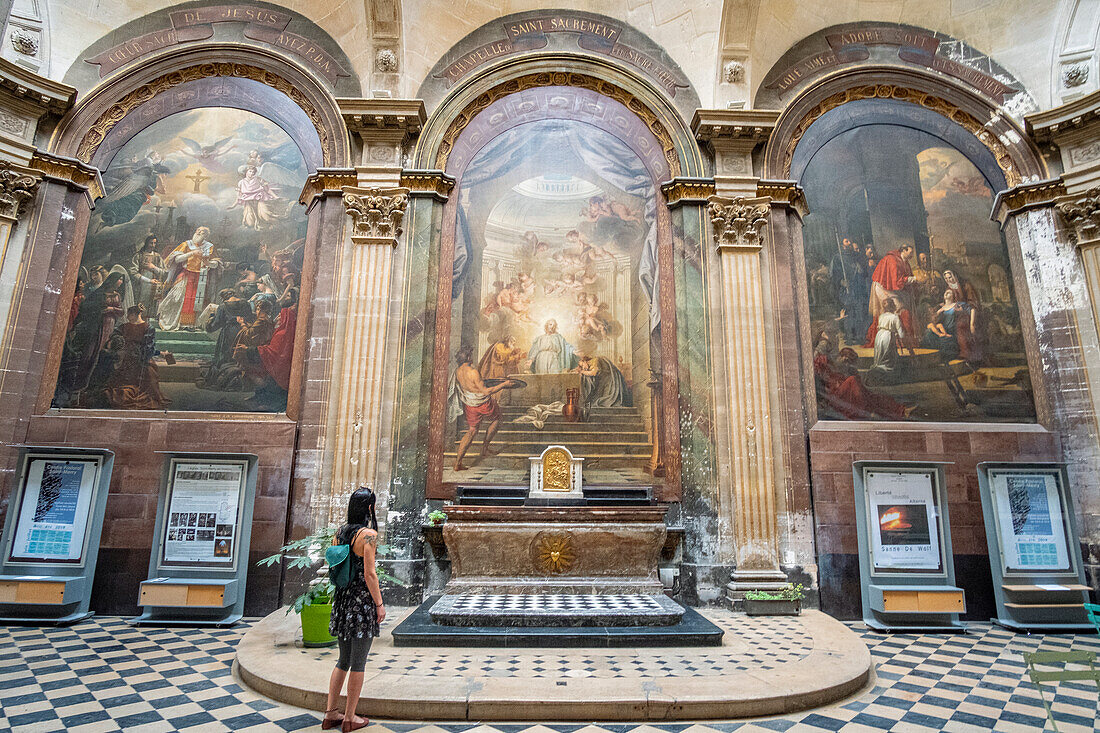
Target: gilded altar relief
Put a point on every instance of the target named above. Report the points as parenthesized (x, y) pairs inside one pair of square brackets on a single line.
[(553, 293), (187, 292), (911, 295)]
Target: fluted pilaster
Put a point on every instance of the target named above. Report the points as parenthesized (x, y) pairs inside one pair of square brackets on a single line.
[(1082, 214), (376, 215), (740, 231)]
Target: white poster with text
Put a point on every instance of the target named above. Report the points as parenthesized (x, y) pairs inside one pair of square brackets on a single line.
[(204, 499)]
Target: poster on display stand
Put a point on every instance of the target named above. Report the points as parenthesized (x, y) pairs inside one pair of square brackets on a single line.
[(199, 560), (203, 513), (906, 565), (905, 528), (51, 535), (1034, 551)]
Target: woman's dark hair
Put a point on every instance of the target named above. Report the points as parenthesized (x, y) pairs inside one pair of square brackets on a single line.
[(361, 508)]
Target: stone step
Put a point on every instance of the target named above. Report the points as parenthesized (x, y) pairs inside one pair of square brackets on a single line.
[(556, 609)]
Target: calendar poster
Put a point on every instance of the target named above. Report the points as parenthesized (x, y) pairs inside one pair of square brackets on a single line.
[(53, 512), (1030, 520)]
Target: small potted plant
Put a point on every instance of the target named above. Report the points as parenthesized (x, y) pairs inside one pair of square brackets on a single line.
[(314, 605), (786, 601), (436, 518)]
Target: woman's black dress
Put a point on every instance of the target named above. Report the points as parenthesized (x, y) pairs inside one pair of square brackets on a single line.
[(354, 615)]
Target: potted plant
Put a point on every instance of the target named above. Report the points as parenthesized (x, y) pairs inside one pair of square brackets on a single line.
[(314, 605), (436, 518), (786, 601)]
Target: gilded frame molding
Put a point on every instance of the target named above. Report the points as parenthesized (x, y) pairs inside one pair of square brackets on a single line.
[(1017, 159), (88, 124)]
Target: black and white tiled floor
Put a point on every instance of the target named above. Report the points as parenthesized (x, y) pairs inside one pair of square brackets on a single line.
[(103, 675)]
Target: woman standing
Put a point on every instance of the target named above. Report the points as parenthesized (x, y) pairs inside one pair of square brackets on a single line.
[(357, 611)]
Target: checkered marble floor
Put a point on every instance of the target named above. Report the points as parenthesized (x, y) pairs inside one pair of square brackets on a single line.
[(103, 675)]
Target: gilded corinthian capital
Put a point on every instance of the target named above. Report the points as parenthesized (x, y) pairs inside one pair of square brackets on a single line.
[(1083, 215), (738, 223), (376, 213), (16, 189)]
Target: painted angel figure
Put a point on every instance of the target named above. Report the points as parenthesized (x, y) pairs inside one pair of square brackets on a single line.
[(209, 156), (255, 196)]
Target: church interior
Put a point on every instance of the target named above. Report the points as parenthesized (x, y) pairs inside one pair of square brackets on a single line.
[(698, 362)]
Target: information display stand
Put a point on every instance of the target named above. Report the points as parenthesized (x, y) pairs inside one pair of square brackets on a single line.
[(199, 561), (51, 536), (1034, 551), (906, 566)]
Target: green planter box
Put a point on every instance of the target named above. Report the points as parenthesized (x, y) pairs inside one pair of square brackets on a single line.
[(315, 618), (772, 608)]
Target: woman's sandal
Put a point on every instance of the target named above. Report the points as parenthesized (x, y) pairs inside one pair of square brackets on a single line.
[(328, 723), (350, 726)]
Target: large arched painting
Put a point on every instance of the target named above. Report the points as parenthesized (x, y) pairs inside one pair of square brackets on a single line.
[(911, 299), (187, 293), (554, 306)]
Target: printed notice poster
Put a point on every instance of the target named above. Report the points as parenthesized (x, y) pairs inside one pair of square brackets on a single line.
[(901, 507), (53, 514), (202, 513), (1030, 521)]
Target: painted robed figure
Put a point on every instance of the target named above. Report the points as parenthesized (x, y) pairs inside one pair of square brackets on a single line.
[(189, 267)]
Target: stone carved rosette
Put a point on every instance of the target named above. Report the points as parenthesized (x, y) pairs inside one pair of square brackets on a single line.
[(739, 223), (376, 214)]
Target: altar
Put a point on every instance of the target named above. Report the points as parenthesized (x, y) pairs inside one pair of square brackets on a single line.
[(550, 564)]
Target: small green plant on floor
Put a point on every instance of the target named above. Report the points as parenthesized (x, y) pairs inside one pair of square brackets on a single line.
[(309, 552), (790, 592), (437, 517)]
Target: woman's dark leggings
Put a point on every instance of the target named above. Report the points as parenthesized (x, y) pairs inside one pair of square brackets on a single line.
[(353, 654)]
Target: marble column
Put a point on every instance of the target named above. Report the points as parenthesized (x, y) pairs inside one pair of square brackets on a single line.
[(376, 215), (740, 231)]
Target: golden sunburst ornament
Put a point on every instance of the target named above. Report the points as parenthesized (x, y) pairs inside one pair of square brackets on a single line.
[(554, 553)]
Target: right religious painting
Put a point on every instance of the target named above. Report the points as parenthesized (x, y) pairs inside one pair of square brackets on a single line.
[(912, 307)]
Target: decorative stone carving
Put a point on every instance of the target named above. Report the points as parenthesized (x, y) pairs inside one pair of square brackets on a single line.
[(682, 190), (24, 42), (436, 183), (1075, 75), (385, 61), (13, 124), (377, 213), (554, 552), (16, 189), (738, 223), (733, 72), (1083, 216), (1085, 153)]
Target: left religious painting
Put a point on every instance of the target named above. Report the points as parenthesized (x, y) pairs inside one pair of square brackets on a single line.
[(187, 294)]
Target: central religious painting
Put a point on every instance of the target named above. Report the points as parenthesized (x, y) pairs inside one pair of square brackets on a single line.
[(554, 316)]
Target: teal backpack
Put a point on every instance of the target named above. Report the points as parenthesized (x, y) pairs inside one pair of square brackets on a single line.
[(338, 558)]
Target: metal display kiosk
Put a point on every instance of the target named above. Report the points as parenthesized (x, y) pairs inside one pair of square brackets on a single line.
[(1034, 550), (51, 536), (906, 566), (199, 560)]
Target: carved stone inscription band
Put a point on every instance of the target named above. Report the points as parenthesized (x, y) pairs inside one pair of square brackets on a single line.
[(740, 227), (376, 216)]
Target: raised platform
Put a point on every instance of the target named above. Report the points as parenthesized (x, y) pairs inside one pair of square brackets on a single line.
[(556, 610), (764, 666), (690, 629)]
